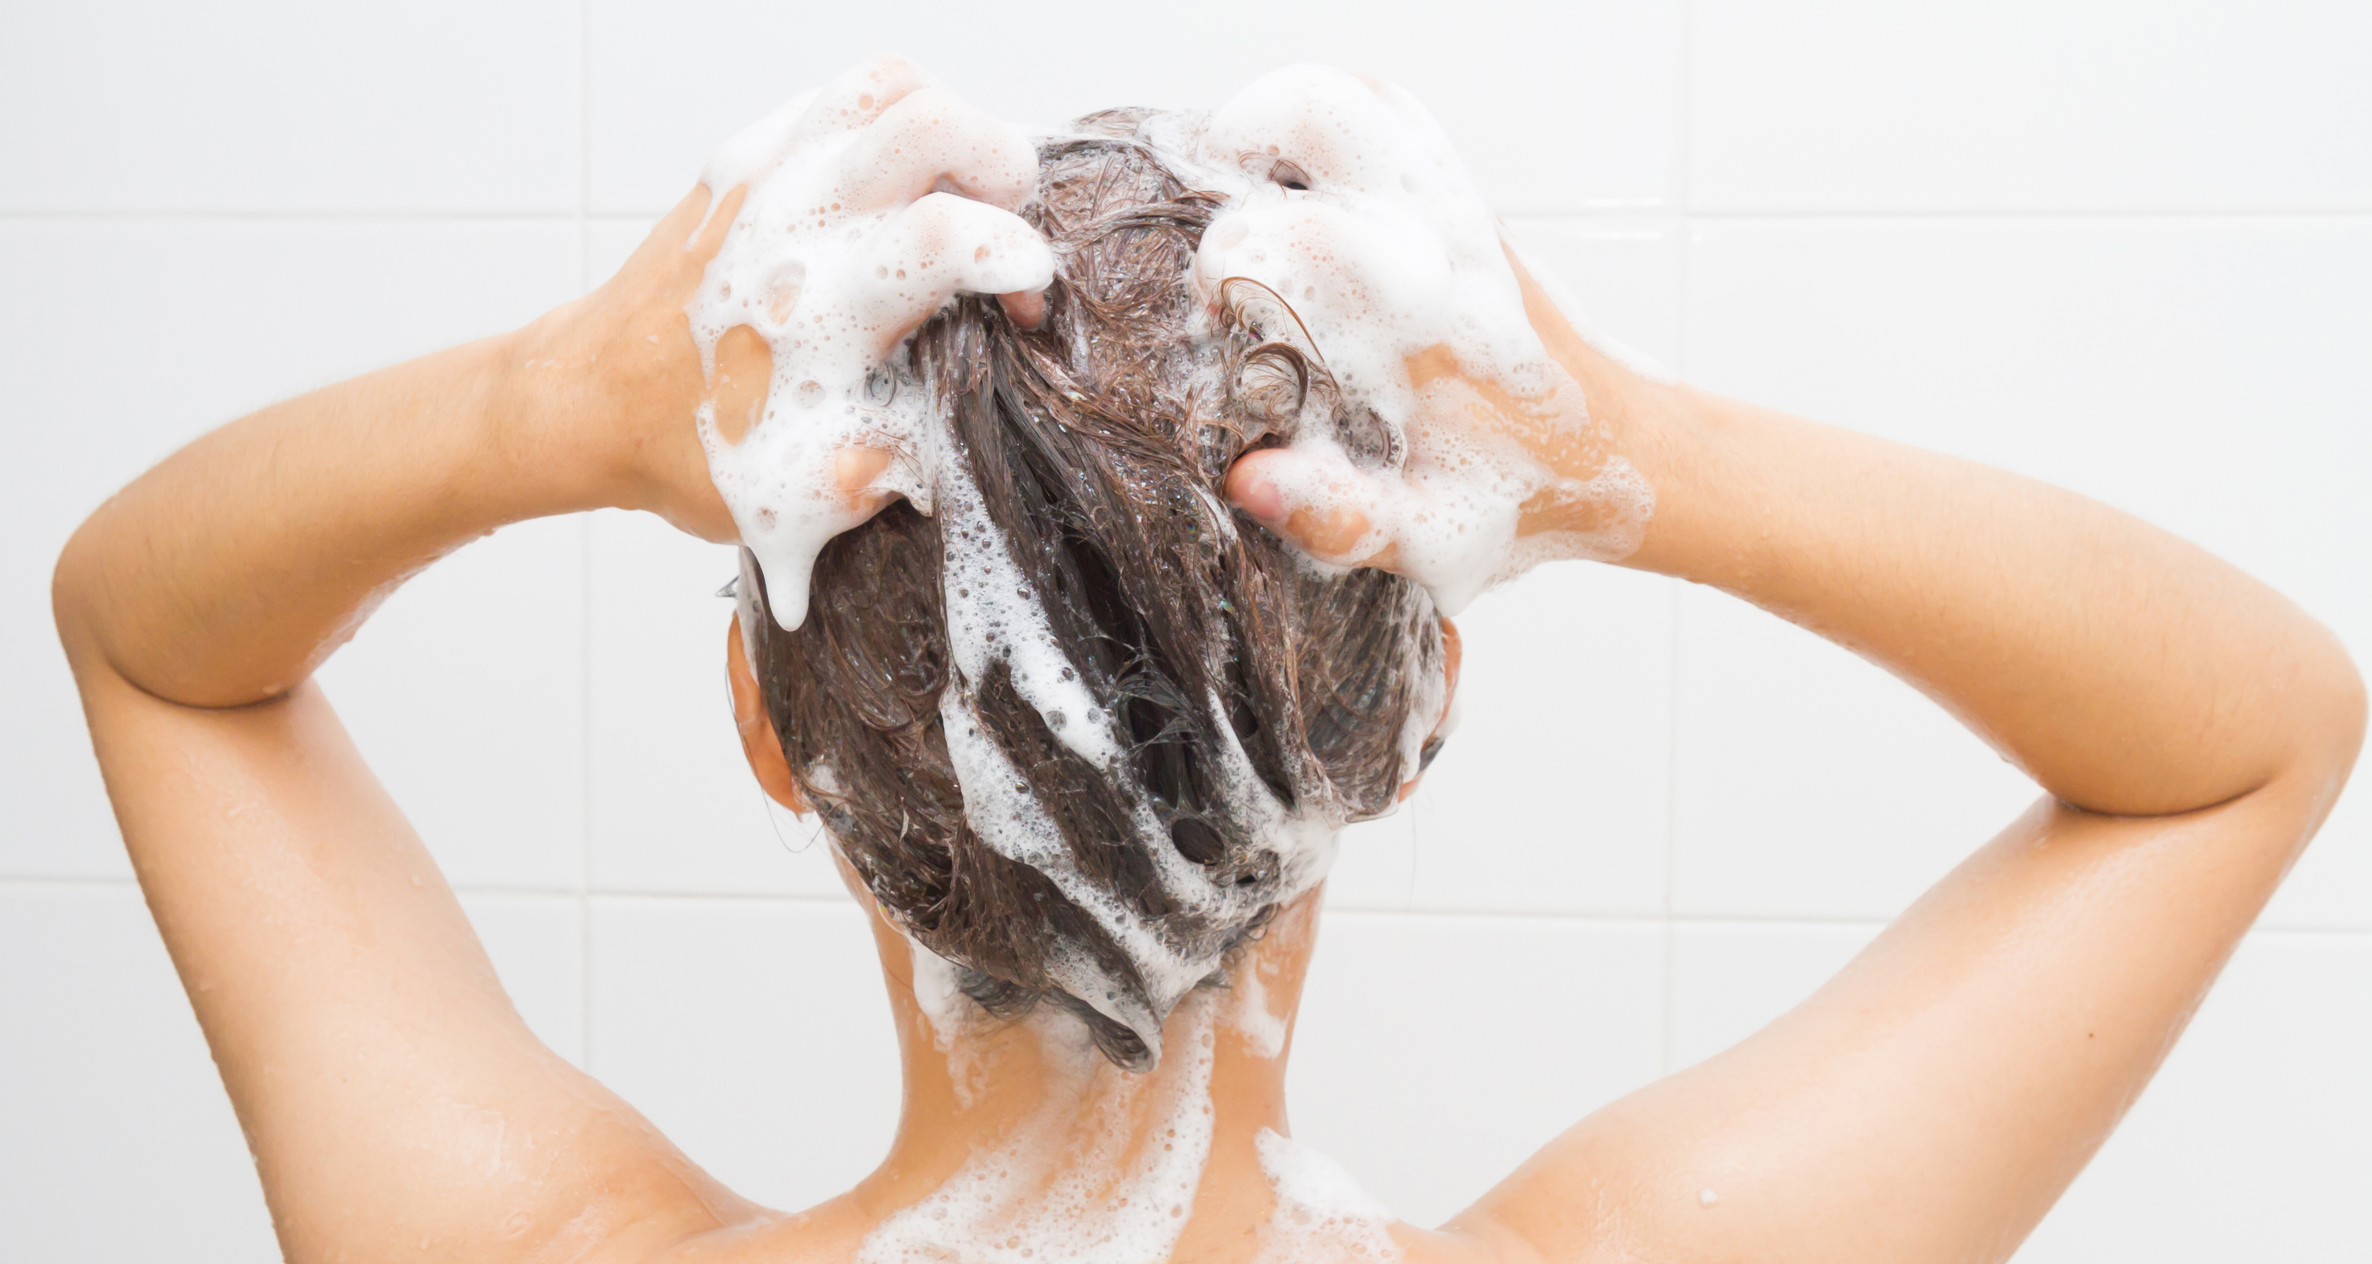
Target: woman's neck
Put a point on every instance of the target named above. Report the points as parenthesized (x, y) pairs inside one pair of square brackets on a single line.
[(1019, 1130)]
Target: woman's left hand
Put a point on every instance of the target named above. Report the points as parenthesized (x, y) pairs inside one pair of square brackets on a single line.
[(610, 385)]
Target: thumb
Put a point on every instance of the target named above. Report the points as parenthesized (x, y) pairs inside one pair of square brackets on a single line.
[(1318, 501)]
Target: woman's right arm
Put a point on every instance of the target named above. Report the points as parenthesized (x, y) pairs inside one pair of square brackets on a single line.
[(2191, 726), (397, 1106)]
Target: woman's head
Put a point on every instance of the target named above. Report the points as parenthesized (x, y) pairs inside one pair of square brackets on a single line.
[(1080, 729)]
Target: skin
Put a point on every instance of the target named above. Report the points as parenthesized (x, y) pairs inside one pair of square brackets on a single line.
[(2191, 729)]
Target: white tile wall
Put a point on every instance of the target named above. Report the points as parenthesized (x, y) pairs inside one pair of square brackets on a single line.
[(2026, 105), (1790, 747), (1435, 1053), (754, 1032), (110, 1090), (2207, 373), (445, 106), (111, 1093), (123, 339), (1594, 82), (2250, 1144), (2119, 246), (1729, 977)]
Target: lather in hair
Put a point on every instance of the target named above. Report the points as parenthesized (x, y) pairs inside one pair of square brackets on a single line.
[(1098, 443)]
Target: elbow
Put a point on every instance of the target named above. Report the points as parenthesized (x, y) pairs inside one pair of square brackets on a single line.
[(2327, 707), (2348, 708), (69, 598)]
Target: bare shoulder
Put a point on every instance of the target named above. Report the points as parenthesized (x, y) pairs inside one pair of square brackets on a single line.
[(835, 1233)]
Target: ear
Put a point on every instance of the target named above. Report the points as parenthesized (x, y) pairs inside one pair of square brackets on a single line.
[(758, 740)]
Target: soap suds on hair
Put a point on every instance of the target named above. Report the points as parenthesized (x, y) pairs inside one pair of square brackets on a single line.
[(830, 262), (1347, 205), (827, 269)]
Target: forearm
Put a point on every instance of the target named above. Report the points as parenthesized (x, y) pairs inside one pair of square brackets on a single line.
[(227, 573), (2127, 671)]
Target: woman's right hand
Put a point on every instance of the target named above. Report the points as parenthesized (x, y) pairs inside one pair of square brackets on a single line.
[(1360, 220), (610, 386), (1332, 511)]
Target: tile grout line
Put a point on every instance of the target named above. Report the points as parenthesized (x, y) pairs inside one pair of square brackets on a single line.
[(584, 567), (1675, 215), (345, 217), (1612, 214), (2032, 214), (829, 898)]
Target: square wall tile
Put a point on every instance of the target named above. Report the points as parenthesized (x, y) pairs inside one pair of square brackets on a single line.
[(2255, 1140), (537, 944), (609, 242), (1593, 86), (2028, 105), (111, 1093), (1552, 794), (274, 105), (1809, 783), (466, 693), (1617, 280), (130, 340), (1515, 1028), (1731, 979), (674, 806), (1375, 862), (2262, 1104), (2204, 374), (755, 1033)]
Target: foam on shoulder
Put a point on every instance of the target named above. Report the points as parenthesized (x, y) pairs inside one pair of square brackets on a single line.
[(1322, 1216)]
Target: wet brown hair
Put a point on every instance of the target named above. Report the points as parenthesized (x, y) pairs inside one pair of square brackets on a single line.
[(1099, 443)]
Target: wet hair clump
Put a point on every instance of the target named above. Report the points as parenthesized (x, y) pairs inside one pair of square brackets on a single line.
[(1098, 443)]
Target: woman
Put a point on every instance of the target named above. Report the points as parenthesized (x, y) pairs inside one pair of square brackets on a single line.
[(1062, 1102)]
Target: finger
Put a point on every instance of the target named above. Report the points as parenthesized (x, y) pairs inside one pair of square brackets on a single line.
[(714, 227), (1335, 532), (1318, 505), (757, 147), (1026, 308), (929, 137), (745, 373), (859, 96), (676, 228), (941, 246), (854, 472)]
